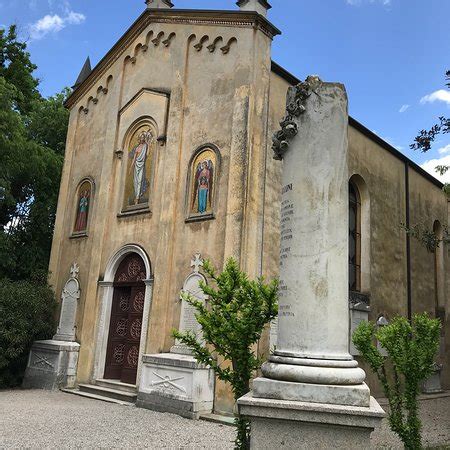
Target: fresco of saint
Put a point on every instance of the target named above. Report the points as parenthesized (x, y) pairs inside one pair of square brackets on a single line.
[(83, 208), (203, 183), (138, 174)]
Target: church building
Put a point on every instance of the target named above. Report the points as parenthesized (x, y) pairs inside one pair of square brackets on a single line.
[(169, 161)]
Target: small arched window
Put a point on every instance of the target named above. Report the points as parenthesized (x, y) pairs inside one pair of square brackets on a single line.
[(84, 198), (354, 239)]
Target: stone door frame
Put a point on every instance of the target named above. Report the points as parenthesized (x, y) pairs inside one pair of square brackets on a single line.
[(106, 298)]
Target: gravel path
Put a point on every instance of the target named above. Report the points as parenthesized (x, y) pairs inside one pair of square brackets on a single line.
[(41, 419)]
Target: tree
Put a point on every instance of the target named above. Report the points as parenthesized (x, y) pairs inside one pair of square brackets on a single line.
[(32, 140), (26, 313), (232, 322), (411, 348), (425, 138)]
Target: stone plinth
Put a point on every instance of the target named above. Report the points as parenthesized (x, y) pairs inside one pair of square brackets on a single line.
[(305, 425), (176, 384), (51, 365)]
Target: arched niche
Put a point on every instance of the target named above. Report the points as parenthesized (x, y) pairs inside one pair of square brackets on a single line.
[(439, 273), (83, 207), (140, 145), (202, 183)]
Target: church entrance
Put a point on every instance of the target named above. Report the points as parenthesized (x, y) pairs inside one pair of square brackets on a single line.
[(122, 354)]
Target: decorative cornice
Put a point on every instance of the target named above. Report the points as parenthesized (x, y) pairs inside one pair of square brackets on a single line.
[(239, 19), (295, 107)]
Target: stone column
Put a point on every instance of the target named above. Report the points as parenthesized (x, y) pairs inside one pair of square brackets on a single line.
[(311, 368)]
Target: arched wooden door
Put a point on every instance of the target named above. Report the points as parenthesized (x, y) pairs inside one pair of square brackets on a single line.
[(122, 354)]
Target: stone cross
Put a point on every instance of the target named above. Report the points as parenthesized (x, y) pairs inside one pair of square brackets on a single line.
[(197, 262), (74, 270)]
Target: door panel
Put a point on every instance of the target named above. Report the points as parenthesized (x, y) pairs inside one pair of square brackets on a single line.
[(133, 335), (118, 329)]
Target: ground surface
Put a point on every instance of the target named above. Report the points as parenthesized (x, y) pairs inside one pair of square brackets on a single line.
[(39, 419)]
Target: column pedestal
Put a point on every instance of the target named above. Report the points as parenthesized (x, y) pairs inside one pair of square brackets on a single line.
[(305, 425)]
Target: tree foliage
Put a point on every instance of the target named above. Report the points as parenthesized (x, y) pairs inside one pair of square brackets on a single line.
[(32, 140), (232, 322), (424, 140), (26, 313), (411, 348)]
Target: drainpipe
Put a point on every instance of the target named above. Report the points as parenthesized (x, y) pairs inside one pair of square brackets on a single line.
[(408, 244)]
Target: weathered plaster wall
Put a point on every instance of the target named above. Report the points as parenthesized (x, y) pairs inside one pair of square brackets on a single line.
[(428, 203), (216, 97)]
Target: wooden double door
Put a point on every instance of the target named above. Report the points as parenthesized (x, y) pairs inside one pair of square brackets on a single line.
[(122, 355)]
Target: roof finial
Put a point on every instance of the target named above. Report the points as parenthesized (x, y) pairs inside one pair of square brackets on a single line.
[(159, 4), (260, 6)]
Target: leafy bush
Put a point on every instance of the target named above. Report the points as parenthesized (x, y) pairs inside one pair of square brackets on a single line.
[(27, 313), (232, 322), (411, 349)]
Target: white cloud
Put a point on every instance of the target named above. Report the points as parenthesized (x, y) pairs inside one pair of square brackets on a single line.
[(444, 150), (54, 23), (430, 167), (403, 108), (441, 95)]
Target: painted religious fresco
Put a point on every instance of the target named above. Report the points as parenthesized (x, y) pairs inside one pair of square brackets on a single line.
[(139, 162), (202, 183), (83, 205)]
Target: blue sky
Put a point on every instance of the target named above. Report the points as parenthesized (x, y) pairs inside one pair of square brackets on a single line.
[(391, 54)]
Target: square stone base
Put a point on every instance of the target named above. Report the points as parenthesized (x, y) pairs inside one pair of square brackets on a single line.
[(52, 365), (177, 384), (300, 425)]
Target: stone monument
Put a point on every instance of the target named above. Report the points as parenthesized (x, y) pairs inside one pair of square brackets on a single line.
[(52, 364), (312, 393), (175, 382)]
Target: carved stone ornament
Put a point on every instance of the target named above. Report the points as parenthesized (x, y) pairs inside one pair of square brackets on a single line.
[(295, 107)]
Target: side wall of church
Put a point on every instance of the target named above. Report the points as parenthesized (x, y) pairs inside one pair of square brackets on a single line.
[(384, 266), (428, 278)]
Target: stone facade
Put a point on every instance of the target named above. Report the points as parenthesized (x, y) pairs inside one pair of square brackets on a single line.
[(196, 80)]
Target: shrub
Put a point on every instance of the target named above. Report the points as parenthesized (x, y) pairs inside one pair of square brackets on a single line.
[(27, 313), (411, 348), (232, 322)]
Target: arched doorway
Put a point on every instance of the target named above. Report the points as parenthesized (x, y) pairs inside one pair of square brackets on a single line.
[(125, 326)]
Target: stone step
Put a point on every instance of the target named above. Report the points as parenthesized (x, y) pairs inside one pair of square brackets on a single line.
[(96, 397), (115, 384), (218, 418), (109, 392)]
